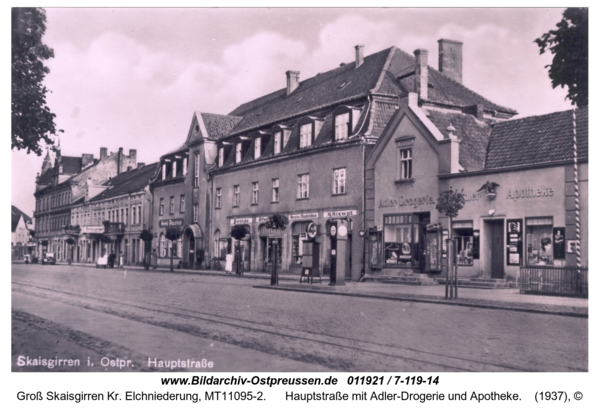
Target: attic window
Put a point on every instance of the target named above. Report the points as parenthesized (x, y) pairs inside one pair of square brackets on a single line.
[(344, 84), (197, 128)]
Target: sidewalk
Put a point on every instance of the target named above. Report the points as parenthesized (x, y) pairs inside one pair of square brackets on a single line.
[(506, 299)]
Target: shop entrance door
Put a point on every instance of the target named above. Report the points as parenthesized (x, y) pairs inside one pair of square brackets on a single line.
[(497, 248)]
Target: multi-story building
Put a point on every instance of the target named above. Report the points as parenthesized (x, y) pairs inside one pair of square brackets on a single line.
[(20, 239), (301, 152), (180, 189), (112, 221), (69, 180)]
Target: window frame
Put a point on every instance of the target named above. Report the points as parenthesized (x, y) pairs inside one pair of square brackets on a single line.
[(254, 193), (405, 144), (257, 148), (196, 213), (182, 204), (172, 205), (161, 207), (302, 194), (303, 143), (277, 149), (218, 198), (338, 126), (221, 156), (197, 169), (238, 152), (274, 190), (236, 196), (336, 180)]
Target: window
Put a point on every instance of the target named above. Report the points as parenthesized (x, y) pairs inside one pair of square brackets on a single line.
[(182, 204), (185, 166), (339, 181), (126, 216), (275, 193), (139, 214), (341, 126), (257, 148), (462, 231), (218, 198), (406, 164), (238, 153), (196, 213), (303, 185), (255, 193), (133, 216), (221, 156), (277, 143), (401, 240), (540, 248), (164, 172), (161, 207), (305, 135), (172, 205), (236, 196), (174, 169), (196, 169)]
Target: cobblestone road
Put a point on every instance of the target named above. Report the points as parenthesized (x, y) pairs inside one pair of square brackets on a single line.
[(141, 314)]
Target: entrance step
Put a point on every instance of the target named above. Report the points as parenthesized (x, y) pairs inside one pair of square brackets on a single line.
[(405, 278)]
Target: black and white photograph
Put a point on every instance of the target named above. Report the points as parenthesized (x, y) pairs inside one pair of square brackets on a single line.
[(279, 191)]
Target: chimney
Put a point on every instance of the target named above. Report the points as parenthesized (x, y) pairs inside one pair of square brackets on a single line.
[(421, 72), (449, 148), (140, 165), (450, 59), (293, 81), (86, 159), (103, 153), (359, 56), (132, 154), (119, 160)]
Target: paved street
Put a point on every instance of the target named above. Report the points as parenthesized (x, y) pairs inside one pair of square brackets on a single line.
[(79, 312)]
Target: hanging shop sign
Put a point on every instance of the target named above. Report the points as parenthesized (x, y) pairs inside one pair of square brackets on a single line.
[(171, 222), (303, 216), (311, 230), (558, 235), (240, 221), (514, 241), (339, 213)]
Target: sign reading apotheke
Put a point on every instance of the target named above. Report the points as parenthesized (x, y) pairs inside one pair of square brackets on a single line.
[(172, 222), (239, 221)]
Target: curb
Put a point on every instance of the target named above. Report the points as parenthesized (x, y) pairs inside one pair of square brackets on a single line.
[(407, 297)]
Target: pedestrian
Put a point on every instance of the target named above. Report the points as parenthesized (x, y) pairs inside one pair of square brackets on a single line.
[(154, 259), (228, 263), (111, 260), (121, 260)]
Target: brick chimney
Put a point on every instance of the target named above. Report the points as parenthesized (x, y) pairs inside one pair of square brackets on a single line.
[(450, 59), (293, 81), (103, 153), (132, 154), (421, 73), (120, 161), (359, 56)]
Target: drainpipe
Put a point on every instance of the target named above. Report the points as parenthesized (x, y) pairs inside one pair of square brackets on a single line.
[(576, 183)]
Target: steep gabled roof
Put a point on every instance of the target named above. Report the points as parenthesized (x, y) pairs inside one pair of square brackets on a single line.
[(131, 181), (218, 125), (16, 215), (537, 139)]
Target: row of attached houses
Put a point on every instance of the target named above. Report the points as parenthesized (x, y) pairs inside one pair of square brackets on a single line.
[(356, 159)]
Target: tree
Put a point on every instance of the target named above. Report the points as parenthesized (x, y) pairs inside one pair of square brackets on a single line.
[(173, 234), (277, 222), (449, 203), (146, 236), (32, 120), (569, 44)]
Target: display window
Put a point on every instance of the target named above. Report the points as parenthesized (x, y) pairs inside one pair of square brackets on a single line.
[(539, 243), (462, 232), (401, 240), (298, 235)]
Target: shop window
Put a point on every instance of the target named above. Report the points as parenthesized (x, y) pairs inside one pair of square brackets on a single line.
[(298, 235), (539, 241), (462, 232), (401, 239), (339, 181), (275, 193), (255, 193), (303, 186)]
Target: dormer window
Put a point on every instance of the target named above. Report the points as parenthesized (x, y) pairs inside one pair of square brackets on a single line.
[(341, 126), (305, 135), (221, 156), (185, 166), (257, 148), (277, 143), (238, 153), (174, 170), (164, 172)]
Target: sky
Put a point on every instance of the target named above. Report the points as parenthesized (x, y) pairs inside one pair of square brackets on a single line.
[(132, 78)]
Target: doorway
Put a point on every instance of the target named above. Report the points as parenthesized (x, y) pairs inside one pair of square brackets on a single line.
[(496, 247)]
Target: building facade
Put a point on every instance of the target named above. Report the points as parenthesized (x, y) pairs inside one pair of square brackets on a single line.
[(21, 236), (69, 182)]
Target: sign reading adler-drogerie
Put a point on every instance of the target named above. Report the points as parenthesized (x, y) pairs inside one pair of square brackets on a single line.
[(171, 222)]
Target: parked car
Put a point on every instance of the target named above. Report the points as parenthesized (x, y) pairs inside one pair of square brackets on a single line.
[(49, 259)]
